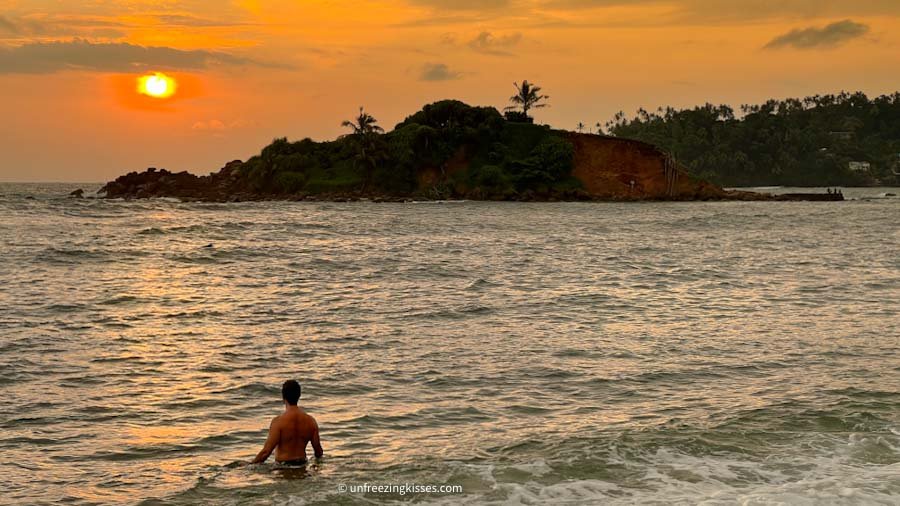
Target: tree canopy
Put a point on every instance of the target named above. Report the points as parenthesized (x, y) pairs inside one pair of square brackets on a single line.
[(802, 142), (467, 150)]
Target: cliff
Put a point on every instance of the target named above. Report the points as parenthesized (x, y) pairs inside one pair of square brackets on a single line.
[(611, 168)]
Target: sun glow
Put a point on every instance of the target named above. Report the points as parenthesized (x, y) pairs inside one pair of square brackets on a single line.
[(156, 85)]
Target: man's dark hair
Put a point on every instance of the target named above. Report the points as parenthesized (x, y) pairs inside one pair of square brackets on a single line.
[(290, 391)]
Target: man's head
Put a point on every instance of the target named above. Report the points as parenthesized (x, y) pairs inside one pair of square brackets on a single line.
[(290, 392)]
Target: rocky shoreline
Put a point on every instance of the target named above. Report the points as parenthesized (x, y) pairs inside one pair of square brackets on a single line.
[(223, 187)]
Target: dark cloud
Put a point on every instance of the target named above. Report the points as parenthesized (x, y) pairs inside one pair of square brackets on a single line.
[(566, 13), (488, 43), (93, 27), (60, 27), (438, 72), (829, 36), (706, 11), (7, 26), (49, 57), (20, 27)]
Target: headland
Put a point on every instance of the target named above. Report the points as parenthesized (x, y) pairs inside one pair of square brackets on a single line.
[(448, 150)]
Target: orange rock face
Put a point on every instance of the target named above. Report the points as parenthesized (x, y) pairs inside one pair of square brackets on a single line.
[(614, 168)]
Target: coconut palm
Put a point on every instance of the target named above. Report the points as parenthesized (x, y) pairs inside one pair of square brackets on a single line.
[(364, 124), (365, 132), (528, 96)]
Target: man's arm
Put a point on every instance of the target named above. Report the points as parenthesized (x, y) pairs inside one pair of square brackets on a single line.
[(271, 443), (316, 444)]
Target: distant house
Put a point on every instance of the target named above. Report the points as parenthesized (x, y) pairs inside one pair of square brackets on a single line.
[(860, 166)]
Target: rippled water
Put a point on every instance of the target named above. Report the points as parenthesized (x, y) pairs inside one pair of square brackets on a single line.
[(532, 353)]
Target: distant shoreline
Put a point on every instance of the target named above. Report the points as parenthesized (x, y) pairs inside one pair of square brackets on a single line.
[(769, 193), (98, 184)]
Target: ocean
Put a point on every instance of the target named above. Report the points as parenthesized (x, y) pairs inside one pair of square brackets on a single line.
[(523, 353)]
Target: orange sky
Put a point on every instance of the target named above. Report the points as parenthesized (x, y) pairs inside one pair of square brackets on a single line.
[(252, 70)]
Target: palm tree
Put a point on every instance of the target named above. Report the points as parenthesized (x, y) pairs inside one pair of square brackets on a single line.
[(528, 96), (365, 131), (364, 125), (599, 128), (580, 127)]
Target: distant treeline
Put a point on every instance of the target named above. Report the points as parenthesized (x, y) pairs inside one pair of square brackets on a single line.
[(846, 139)]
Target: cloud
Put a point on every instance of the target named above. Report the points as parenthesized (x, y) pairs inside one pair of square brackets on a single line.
[(438, 72), (6, 25), (44, 26), (48, 26), (49, 57), (829, 36), (195, 21), (715, 11), (464, 12), (487, 43), (438, 21), (464, 5), (581, 14)]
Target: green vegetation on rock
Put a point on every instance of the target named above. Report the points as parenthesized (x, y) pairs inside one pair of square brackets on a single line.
[(469, 151)]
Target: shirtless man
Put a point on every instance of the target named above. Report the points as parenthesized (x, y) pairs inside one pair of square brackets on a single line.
[(290, 431)]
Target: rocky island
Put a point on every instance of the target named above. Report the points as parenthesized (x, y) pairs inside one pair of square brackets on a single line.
[(448, 150)]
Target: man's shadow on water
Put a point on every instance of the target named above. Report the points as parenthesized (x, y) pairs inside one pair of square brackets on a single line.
[(293, 473)]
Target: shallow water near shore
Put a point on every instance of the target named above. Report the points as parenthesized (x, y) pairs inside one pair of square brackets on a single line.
[(565, 353)]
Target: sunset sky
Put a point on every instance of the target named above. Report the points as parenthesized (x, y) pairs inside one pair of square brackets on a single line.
[(251, 70)]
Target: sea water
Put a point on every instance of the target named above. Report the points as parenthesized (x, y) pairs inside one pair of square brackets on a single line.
[(530, 353)]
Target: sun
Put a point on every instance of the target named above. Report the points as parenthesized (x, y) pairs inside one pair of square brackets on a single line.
[(156, 85)]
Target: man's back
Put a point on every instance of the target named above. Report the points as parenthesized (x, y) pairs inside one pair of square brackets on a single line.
[(295, 429), (291, 431)]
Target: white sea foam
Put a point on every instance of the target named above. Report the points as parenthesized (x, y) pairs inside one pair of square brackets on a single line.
[(839, 472), (855, 487)]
